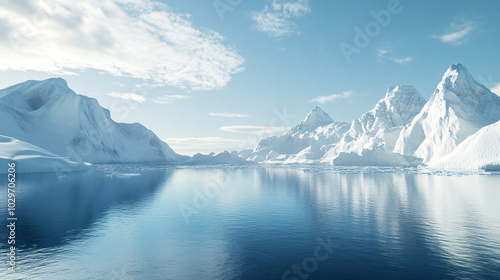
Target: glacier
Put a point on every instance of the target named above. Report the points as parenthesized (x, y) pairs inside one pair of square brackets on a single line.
[(401, 130), (480, 151), (51, 116), (320, 139), (459, 107), (303, 143), (375, 133)]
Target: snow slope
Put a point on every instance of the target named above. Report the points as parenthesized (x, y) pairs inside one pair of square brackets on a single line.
[(458, 108), (48, 114), (320, 139), (379, 156), (479, 151), (302, 143), (379, 128), (29, 158)]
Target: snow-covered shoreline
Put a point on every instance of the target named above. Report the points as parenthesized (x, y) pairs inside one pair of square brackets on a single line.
[(31, 159)]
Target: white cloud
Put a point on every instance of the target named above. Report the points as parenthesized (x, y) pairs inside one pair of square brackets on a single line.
[(402, 60), (456, 33), (496, 89), (191, 146), (165, 99), (228, 115), (169, 99), (333, 97), (382, 56), (255, 130), (143, 39), (277, 18), (128, 96)]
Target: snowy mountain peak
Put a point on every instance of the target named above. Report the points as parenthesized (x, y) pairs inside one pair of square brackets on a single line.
[(402, 103), (459, 107), (461, 91), (402, 96), (380, 127), (396, 92), (33, 95), (457, 76), (316, 118), (48, 84), (56, 81)]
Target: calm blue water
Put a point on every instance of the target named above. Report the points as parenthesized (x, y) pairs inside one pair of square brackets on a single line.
[(254, 223)]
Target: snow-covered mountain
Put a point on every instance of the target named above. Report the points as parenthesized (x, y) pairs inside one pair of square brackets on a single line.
[(380, 127), (459, 107), (49, 115), (302, 143), (458, 128), (479, 151), (29, 158), (378, 156), (318, 138)]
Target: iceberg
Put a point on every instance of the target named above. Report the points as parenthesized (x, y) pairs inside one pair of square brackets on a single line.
[(459, 107), (49, 115), (480, 151)]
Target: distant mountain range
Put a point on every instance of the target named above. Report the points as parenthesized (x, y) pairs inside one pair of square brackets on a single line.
[(45, 122), (402, 130)]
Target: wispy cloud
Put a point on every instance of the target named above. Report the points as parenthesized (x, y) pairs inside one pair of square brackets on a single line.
[(193, 145), (169, 99), (143, 39), (402, 60), (128, 96), (228, 115), (255, 130), (456, 33), (165, 99), (333, 97), (277, 19), (383, 55)]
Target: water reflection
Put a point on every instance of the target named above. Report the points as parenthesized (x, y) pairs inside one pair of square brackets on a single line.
[(53, 209), (383, 225)]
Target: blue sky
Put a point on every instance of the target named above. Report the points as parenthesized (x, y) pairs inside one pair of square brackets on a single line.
[(208, 79)]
